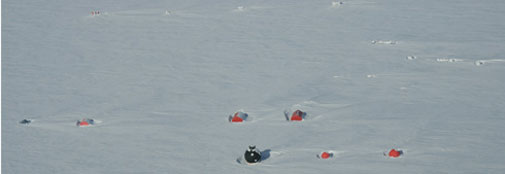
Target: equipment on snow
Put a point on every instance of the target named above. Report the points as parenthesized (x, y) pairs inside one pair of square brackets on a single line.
[(238, 117), (25, 121), (252, 155)]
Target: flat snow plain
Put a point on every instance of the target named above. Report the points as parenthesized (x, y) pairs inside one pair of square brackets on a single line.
[(162, 76)]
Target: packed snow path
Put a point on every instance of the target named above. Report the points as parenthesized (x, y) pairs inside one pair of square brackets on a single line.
[(163, 86)]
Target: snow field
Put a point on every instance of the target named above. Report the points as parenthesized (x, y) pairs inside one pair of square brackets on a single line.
[(163, 86)]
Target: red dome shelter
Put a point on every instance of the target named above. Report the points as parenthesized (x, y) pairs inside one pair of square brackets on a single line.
[(395, 153), (325, 155), (238, 117), (85, 122), (298, 115)]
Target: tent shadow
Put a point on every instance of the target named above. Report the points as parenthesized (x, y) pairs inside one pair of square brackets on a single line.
[(265, 154)]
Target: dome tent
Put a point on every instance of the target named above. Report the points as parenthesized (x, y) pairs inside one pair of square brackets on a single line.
[(297, 115), (85, 122), (238, 117), (394, 153), (325, 155)]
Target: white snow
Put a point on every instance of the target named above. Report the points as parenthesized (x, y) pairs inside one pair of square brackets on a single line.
[(411, 57), (163, 86), (167, 13), (449, 60), (482, 62), (389, 42), (240, 8), (336, 4)]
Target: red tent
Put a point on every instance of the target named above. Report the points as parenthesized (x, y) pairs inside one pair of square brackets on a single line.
[(238, 117), (395, 153), (297, 115)]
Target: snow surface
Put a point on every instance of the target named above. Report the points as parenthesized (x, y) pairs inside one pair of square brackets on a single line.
[(163, 85)]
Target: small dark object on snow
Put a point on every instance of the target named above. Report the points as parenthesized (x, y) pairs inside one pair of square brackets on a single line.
[(25, 121), (252, 155)]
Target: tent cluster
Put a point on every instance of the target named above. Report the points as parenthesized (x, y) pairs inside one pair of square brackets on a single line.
[(252, 155), (297, 115), (393, 153), (240, 116), (80, 123)]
